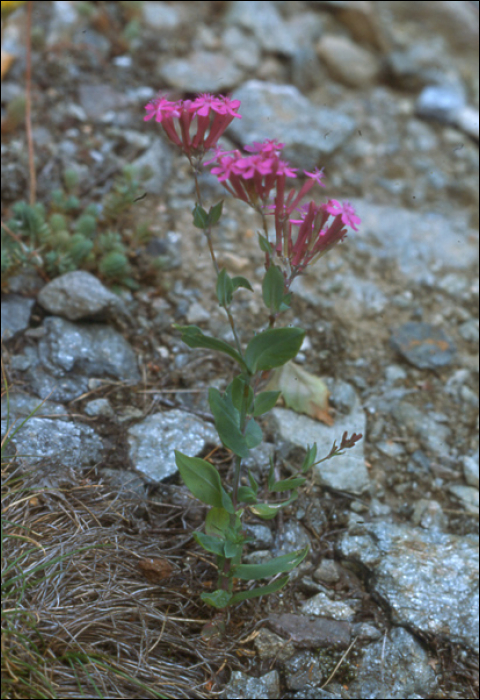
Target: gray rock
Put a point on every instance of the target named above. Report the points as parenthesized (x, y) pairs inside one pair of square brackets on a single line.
[(160, 16), (303, 670), (99, 407), (429, 579), (320, 604), (270, 645), (468, 497), (433, 433), (281, 111), (345, 472), (20, 406), (263, 538), (429, 514), (201, 71), (243, 687), (470, 330), (265, 22), (158, 160), (153, 441), (315, 694), (423, 345), (421, 245), (67, 442), (197, 313), (242, 47), (78, 295), (69, 353), (348, 62), (470, 470), (394, 667), (440, 102), (16, 312), (294, 536), (307, 633)]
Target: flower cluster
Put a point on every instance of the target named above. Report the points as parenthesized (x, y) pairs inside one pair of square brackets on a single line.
[(194, 125), (256, 178)]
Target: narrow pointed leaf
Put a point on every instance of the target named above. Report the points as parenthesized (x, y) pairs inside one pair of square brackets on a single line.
[(215, 213), (241, 282), (246, 495), (288, 484), (272, 289), (224, 288), (277, 565), (265, 246), (310, 457), (194, 337), (200, 217), (218, 599), (260, 590)]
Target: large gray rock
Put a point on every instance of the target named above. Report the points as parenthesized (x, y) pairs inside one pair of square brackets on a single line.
[(429, 579), (154, 440), (78, 294), (282, 112)]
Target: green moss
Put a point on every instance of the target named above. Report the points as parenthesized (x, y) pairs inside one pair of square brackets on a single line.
[(63, 236)]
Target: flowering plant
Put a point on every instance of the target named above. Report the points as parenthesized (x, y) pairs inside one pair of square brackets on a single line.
[(303, 234)]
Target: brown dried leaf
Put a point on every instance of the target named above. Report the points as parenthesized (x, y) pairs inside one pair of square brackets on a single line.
[(303, 392)]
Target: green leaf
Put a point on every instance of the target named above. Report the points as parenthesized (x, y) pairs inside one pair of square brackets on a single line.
[(215, 213), (224, 288), (264, 511), (253, 434), (265, 401), (286, 302), (233, 549), (246, 495), (218, 599), (212, 544), (267, 511), (261, 590), (194, 337), (271, 474), (200, 217), (288, 484), (310, 457), (241, 282), (277, 565), (202, 479), (236, 391), (227, 422), (273, 348), (272, 289), (217, 521), (253, 483), (265, 246)]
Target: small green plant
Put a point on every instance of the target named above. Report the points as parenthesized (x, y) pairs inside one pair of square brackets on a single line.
[(64, 237), (301, 235)]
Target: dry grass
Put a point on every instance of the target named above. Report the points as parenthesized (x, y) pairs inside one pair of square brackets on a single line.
[(79, 619)]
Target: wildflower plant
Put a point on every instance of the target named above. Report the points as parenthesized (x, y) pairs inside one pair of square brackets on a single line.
[(302, 233)]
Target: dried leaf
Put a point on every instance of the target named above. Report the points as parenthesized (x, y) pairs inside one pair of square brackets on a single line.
[(303, 392)]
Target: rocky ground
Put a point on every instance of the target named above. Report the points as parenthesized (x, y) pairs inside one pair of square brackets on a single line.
[(384, 96)]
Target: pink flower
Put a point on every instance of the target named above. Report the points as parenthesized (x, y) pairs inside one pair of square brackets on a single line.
[(212, 115), (346, 211)]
